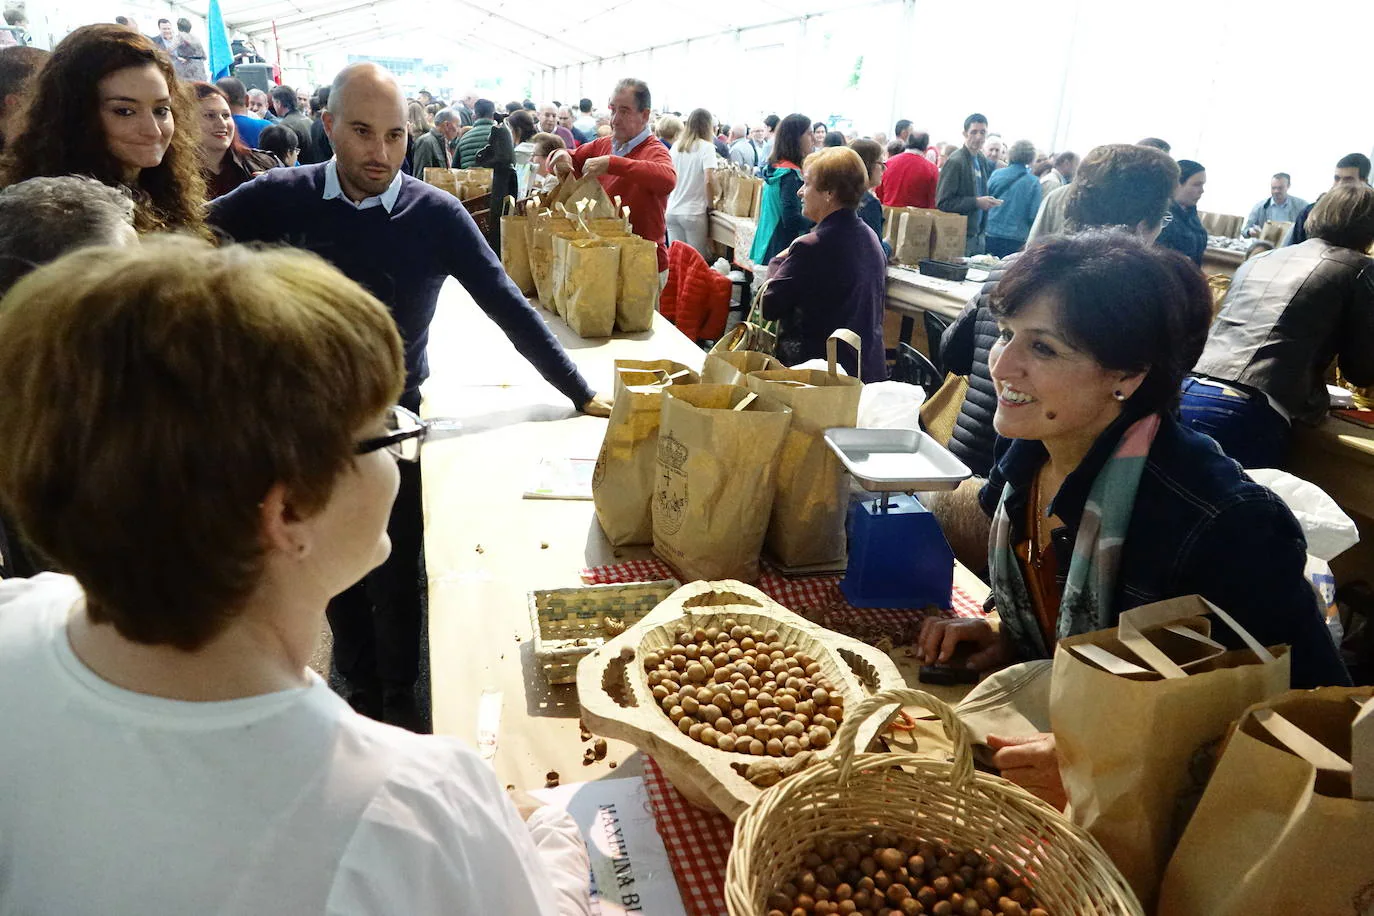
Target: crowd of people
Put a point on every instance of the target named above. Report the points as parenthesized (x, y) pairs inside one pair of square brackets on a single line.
[(216, 442)]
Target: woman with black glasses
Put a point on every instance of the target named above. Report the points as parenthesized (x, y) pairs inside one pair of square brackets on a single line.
[(211, 454)]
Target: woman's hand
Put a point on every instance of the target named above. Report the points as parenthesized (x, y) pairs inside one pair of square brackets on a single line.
[(599, 406), (1031, 763), (941, 636)]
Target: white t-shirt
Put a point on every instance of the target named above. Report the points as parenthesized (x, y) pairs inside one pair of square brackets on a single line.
[(690, 197), (114, 802)]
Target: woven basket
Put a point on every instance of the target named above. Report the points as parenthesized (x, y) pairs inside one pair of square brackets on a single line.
[(569, 623), (922, 799)]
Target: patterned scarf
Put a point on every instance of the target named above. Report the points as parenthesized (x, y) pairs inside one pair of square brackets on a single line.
[(1087, 601)]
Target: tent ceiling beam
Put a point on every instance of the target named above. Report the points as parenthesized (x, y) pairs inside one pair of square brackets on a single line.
[(264, 26)]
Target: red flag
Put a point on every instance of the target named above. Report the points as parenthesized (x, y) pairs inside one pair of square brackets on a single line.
[(276, 68)]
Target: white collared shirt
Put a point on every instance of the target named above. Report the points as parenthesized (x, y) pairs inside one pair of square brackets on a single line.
[(618, 149), (332, 190)]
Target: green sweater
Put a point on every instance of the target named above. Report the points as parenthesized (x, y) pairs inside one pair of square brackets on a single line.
[(472, 143)]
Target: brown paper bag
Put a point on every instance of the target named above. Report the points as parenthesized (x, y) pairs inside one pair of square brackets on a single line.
[(1135, 709), (478, 181), (515, 251), (741, 200), (807, 525), (542, 227), (718, 448), (444, 179), (637, 290), (747, 348), (598, 205), (589, 287), (758, 199), (891, 217), (724, 187), (1274, 231), (914, 234), (948, 237), (1277, 830), (623, 482), (561, 242)]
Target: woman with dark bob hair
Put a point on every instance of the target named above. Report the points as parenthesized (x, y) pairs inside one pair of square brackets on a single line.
[(213, 458), (780, 213), (1100, 500), (108, 104), (834, 277)]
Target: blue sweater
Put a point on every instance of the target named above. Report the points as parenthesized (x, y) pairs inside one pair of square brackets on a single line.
[(1019, 192), (402, 258)]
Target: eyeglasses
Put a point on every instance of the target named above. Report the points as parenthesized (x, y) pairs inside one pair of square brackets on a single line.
[(406, 432), (1168, 218)]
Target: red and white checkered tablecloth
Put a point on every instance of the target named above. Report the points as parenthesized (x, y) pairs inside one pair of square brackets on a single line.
[(806, 595), (698, 844)]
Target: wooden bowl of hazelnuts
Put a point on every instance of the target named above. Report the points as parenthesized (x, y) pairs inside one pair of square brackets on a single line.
[(729, 691), (899, 835)]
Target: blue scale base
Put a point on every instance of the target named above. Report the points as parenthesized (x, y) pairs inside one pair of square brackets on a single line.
[(898, 557)]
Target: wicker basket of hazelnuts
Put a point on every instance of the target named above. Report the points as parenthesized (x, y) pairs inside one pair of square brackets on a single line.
[(900, 835)]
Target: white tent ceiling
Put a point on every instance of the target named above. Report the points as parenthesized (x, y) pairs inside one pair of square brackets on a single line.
[(541, 33)]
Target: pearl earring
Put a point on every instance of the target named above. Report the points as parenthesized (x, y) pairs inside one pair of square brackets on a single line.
[(1119, 395)]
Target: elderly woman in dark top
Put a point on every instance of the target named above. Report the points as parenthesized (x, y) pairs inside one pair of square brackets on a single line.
[(1100, 500), (834, 277), (1285, 318), (1183, 229)]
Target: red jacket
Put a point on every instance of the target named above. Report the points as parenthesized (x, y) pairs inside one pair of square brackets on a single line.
[(643, 180), (697, 298), (909, 181)]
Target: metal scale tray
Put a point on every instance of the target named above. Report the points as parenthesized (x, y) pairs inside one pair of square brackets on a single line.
[(896, 460)]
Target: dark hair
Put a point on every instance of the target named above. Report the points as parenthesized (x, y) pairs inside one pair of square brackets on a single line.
[(234, 91), (771, 121), (67, 139), (161, 21), (584, 105), (834, 138), (184, 25), (279, 140), (319, 99), (895, 147), (44, 218), (787, 139), (122, 20), (643, 101), (1065, 158), (484, 108), (973, 119), (512, 107), (1156, 143), (902, 125), (1344, 217), (870, 151), (206, 90), (1355, 161), (286, 96), (18, 64), (918, 140), (528, 105), (1121, 184), (1284, 175), (1187, 168), (521, 125), (822, 125), (1130, 305)]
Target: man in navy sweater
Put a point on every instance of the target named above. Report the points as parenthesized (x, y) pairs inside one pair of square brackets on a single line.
[(400, 238)]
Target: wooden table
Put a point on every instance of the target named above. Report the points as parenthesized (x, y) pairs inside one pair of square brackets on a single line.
[(1222, 261), (486, 547), (1337, 456)]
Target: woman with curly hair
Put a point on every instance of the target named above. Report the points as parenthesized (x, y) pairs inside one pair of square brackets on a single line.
[(109, 82)]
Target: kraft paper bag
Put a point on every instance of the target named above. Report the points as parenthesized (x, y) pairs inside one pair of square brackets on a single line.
[(623, 481), (637, 292), (542, 227), (1274, 231), (892, 216), (948, 239), (718, 449), (724, 189), (598, 204), (515, 251), (477, 180), (589, 287), (747, 348), (1278, 830), (807, 525), (742, 192), (561, 243), (914, 233), (444, 179), (1137, 713)]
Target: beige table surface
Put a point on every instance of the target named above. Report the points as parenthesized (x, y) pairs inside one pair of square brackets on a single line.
[(486, 547)]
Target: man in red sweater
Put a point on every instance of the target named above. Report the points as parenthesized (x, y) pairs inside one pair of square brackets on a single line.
[(910, 178), (641, 173)]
